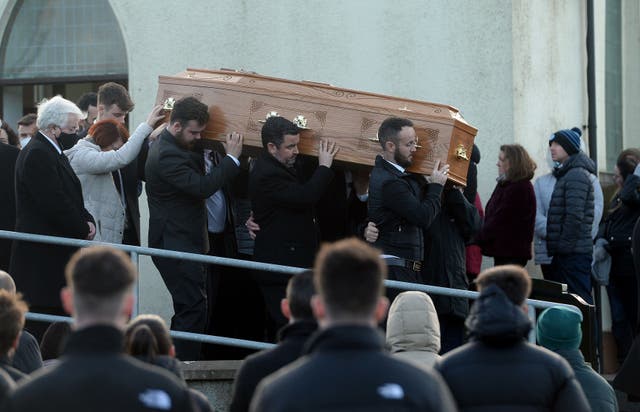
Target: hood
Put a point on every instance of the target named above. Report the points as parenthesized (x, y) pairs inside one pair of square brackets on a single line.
[(475, 154), (577, 160), (495, 320), (81, 146), (413, 324)]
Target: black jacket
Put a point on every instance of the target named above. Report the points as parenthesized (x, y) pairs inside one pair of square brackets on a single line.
[(48, 202), (262, 364), (499, 370), (283, 205), (347, 369), (8, 157), (617, 228), (27, 357), (93, 375), (571, 210), (16, 375), (400, 210), (176, 190), (444, 256)]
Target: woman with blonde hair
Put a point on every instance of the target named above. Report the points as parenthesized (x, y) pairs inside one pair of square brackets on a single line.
[(510, 214)]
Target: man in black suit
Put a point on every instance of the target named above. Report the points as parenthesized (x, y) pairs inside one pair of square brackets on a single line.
[(283, 207), (93, 374), (8, 157), (48, 202), (176, 189)]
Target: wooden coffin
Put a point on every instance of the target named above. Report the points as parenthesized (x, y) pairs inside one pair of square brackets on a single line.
[(240, 101)]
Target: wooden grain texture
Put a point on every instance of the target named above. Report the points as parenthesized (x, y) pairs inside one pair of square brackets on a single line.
[(240, 102)]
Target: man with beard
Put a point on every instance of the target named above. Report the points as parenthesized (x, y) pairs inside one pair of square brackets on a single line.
[(176, 189), (401, 204)]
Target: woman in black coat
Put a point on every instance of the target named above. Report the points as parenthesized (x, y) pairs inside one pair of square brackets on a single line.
[(617, 230)]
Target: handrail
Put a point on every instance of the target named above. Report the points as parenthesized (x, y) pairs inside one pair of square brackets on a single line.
[(246, 264)]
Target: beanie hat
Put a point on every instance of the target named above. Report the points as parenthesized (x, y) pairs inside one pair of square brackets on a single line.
[(568, 139), (559, 328)]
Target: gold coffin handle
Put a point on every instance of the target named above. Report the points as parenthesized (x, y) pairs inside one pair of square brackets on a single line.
[(461, 152)]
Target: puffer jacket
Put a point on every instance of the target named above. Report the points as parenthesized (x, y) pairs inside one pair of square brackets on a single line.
[(413, 329), (94, 167), (571, 210), (503, 366)]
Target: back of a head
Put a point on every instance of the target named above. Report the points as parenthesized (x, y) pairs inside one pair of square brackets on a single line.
[(155, 324), (6, 282), (100, 277), (106, 132), (274, 130), (559, 328), (413, 323), (513, 280), (187, 109), (300, 289), (54, 340), (12, 312), (55, 112), (389, 129), (349, 276), (113, 93), (142, 343)]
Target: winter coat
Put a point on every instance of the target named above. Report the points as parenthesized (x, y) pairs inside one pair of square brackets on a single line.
[(400, 210), (509, 217), (473, 252), (599, 393), (507, 372), (444, 253), (413, 329), (617, 228), (346, 369), (571, 210), (94, 167), (543, 188)]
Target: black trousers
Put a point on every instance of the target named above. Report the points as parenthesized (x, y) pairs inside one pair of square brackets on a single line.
[(186, 283)]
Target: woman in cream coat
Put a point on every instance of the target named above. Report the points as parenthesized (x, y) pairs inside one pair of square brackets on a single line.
[(106, 149)]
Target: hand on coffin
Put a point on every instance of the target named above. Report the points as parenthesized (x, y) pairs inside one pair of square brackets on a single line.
[(233, 145), (252, 226), (326, 152), (155, 116), (439, 174), (92, 231), (371, 232)]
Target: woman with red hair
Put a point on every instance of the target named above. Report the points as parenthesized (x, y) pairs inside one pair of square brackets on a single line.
[(106, 149)]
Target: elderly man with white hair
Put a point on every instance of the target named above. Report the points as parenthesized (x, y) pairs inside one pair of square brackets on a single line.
[(48, 202)]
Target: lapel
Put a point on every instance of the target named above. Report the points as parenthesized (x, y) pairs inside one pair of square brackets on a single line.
[(61, 159)]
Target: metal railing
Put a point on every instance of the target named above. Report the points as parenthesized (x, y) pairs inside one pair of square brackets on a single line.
[(136, 251)]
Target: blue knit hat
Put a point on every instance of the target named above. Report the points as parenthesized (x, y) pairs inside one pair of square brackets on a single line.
[(568, 139), (559, 328)]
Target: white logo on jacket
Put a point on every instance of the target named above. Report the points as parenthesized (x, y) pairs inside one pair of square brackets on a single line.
[(155, 398), (391, 391)]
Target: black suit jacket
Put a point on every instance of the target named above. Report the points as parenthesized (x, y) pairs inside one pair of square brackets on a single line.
[(94, 375), (176, 191), (48, 202), (8, 157), (283, 206)]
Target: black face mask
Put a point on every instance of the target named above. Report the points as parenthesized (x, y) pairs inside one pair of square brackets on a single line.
[(67, 140)]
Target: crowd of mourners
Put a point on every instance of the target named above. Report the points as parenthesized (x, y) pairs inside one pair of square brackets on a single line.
[(74, 170)]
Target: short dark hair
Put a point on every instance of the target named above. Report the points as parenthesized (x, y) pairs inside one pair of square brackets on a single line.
[(54, 340), (521, 165), (300, 289), (275, 128), (349, 276), (86, 100), (513, 280), (99, 277), (138, 341), (114, 93), (28, 119), (105, 132), (627, 161), (189, 108), (389, 129), (12, 310)]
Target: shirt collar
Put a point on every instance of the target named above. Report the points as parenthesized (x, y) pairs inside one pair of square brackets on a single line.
[(397, 166), (52, 143)]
